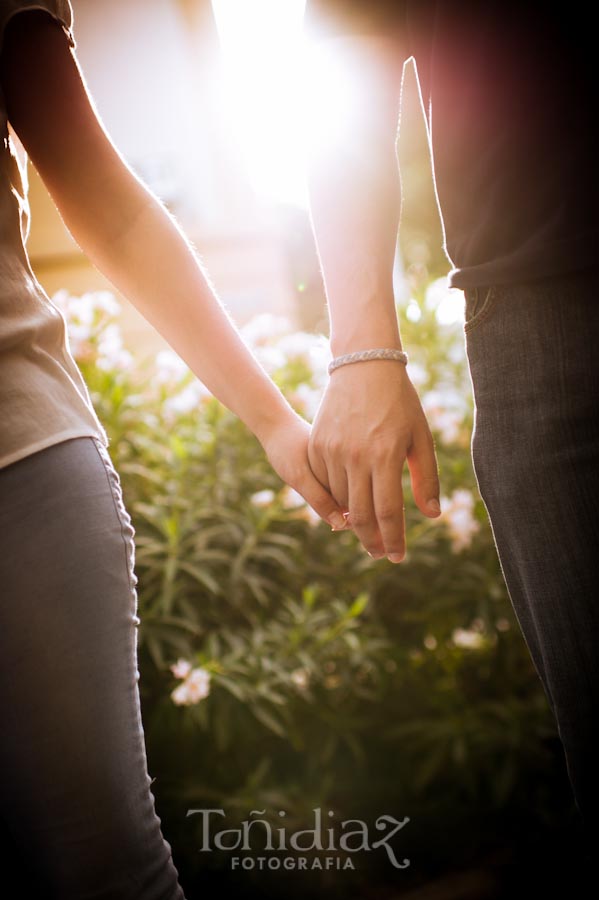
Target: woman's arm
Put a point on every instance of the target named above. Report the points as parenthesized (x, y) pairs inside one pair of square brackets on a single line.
[(127, 233)]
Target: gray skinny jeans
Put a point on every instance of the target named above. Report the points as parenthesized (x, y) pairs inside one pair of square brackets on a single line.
[(76, 809), (533, 353)]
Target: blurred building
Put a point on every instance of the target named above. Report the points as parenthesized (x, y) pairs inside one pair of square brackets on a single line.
[(154, 70)]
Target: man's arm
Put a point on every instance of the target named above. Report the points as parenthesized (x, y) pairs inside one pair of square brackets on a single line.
[(370, 420), (130, 237)]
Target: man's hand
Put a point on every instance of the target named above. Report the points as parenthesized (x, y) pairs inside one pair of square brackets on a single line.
[(370, 421)]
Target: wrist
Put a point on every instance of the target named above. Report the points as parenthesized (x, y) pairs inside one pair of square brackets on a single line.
[(364, 340), (276, 414), (370, 327)]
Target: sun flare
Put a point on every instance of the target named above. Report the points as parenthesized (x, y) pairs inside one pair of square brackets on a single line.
[(276, 92)]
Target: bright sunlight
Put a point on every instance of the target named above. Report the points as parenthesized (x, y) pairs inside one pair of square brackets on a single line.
[(273, 78)]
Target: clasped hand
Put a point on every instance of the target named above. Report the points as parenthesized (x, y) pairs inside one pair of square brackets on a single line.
[(348, 466)]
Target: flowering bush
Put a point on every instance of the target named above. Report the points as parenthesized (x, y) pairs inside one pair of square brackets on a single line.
[(282, 668)]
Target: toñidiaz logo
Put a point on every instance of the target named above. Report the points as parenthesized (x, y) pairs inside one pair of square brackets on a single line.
[(344, 839)]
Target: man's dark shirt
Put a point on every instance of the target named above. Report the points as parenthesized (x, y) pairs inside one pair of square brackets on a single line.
[(509, 93)]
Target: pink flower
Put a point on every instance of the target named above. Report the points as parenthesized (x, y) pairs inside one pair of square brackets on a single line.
[(194, 687), (181, 668)]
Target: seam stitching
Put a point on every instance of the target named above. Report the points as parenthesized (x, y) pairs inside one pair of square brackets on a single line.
[(488, 307), (118, 513)]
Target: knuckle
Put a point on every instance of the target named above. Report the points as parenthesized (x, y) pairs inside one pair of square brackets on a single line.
[(333, 448), (360, 518), (388, 514), (388, 455), (355, 454), (403, 437)]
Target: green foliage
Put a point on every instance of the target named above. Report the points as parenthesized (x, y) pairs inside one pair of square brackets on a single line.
[(334, 681)]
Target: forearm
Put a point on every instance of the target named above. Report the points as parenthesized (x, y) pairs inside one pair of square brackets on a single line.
[(355, 214), (150, 262), (355, 196)]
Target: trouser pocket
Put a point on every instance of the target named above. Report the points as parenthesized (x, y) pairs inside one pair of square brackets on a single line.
[(478, 303)]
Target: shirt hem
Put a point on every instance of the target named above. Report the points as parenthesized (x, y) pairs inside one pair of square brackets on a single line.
[(49, 441), (504, 273)]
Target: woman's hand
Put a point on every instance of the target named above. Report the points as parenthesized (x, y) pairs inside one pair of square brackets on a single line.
[(286, 446)]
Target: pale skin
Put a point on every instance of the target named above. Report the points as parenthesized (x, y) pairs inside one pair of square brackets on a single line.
[(370, 420), (131, 238)]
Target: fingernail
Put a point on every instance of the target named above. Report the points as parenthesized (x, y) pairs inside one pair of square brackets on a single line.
[(434, 507), (395, 557), (336, 521), (375, 555)]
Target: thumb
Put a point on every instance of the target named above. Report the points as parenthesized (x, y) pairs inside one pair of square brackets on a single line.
[(322, 502), (422, 463)]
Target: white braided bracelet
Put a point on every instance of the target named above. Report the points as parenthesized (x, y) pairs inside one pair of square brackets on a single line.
[(359, 355)]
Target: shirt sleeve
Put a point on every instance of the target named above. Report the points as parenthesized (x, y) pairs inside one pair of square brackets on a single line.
[(60, 10)]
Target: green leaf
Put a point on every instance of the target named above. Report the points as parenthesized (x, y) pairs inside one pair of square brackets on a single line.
[(232, 686), (359, 605), (202, 576), (267, 719)]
